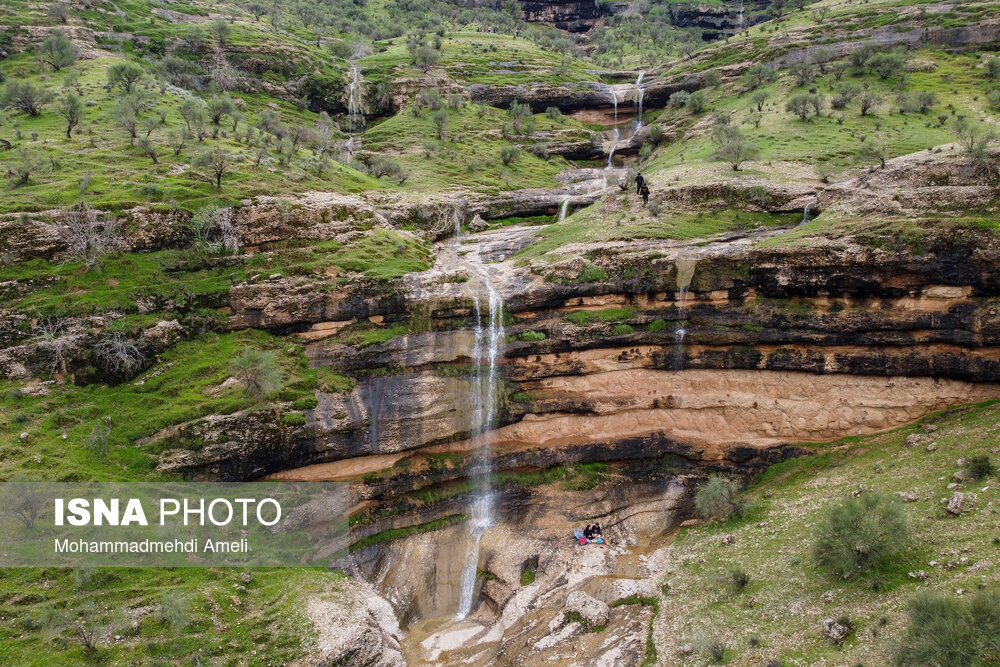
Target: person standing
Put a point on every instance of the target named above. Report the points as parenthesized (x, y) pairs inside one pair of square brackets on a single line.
[(639, 183)]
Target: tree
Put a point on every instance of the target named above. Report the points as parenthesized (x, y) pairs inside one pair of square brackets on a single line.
[(822, 56), (509, 154), (803, 73), (212, 230), (126, 114), (717, 498), (887, 64), (23, 96), (125, 75), (177, 140), (441, 119), (71, 109), (192, 110), (758, 98), (846, 93), (735, 148), (58, 11), (257, 370), (874, 149), (58, 50), (217, 161), (800, 105), (654, 134), (975, 140), (220, 30), (860, 55), (757, 76), (925, 100), (991, 67), (425, 57), (860, 533), (868, 102), (119, 355), (26, 507), (219, 106), (87, 236), (149, 148), (25, 163)]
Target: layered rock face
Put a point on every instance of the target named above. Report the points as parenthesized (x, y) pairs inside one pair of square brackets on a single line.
[(571, 16), (720, 355)]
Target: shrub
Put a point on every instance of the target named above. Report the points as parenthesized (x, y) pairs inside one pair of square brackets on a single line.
[(860, 533), (527, 577), (657, 325), (717, 498), (696, 102), (622, 330), (714, 650), (173, 609), (532, 335), (980, 467), (678, 99), (257, 370), (58, 50), (509, 154), (944, 630), (736, 579)]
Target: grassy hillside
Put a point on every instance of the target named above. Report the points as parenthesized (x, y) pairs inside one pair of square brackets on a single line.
[(777, 613)]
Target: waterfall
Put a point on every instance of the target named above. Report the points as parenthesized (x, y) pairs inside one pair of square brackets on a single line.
[(639, 93), (457, 220), (685, 272), (487, 353), (355, 117), (740, 20), (562, 210), (617, 133), (805, 214)]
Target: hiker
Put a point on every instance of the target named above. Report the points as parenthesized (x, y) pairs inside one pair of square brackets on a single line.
[(639, 182), (644, 191)]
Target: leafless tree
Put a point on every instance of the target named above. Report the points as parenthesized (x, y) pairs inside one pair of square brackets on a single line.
[(52, 338), (88, 236), (119, 355), (26, 508)]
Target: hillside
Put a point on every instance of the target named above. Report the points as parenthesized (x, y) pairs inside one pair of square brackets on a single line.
[(398, 244)]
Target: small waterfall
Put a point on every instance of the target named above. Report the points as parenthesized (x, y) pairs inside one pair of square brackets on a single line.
[(355, 117), (805, 214), (639, 93), (457, 221), (487, 353), (617, 133), (740, 19), (562, 210)]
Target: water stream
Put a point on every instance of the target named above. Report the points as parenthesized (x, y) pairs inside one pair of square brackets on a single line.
[(487, 353), (685, 272), (562, 210), (639, 93)]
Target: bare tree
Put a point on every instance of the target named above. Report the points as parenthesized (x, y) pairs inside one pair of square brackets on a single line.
[(71, 109), (126, 114), (119, 355), (26, 508), (217, 161), (52, 338), (88, 237), (212, 230)]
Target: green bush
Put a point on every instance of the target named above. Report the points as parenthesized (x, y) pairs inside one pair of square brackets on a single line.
[(945, 630), (861, 533), (305, 403), (592, 274), (717, 498), (527, 577), (657, 325), (532, 335), (622, 330), (980, 467)]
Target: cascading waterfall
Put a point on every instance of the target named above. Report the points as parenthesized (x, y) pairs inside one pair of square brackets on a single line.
[(685, 272), (741, 16), (355, 117), (562, 209), (457, 221), (639, 93), (617, 133), (487, 353), (805, 215)]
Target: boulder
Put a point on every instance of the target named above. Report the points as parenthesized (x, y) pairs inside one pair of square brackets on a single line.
[(956, 505), (834, 630), (477, 224), (591, 610), (907, 497)]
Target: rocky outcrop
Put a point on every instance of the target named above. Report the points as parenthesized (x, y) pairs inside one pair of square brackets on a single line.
[(570, 15)]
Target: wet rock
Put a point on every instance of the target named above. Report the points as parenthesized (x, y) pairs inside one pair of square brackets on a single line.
[(592, 610)]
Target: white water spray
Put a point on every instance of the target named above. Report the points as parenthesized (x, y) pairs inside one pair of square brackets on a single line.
[(685, 272), (487, 353), (617, 133), (805, 215), (562, 210), (355, 117), (639, 93)]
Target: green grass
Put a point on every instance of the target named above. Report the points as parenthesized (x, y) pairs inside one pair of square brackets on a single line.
[(584, 318), (397, 533), (182, 387), (263, 622)]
